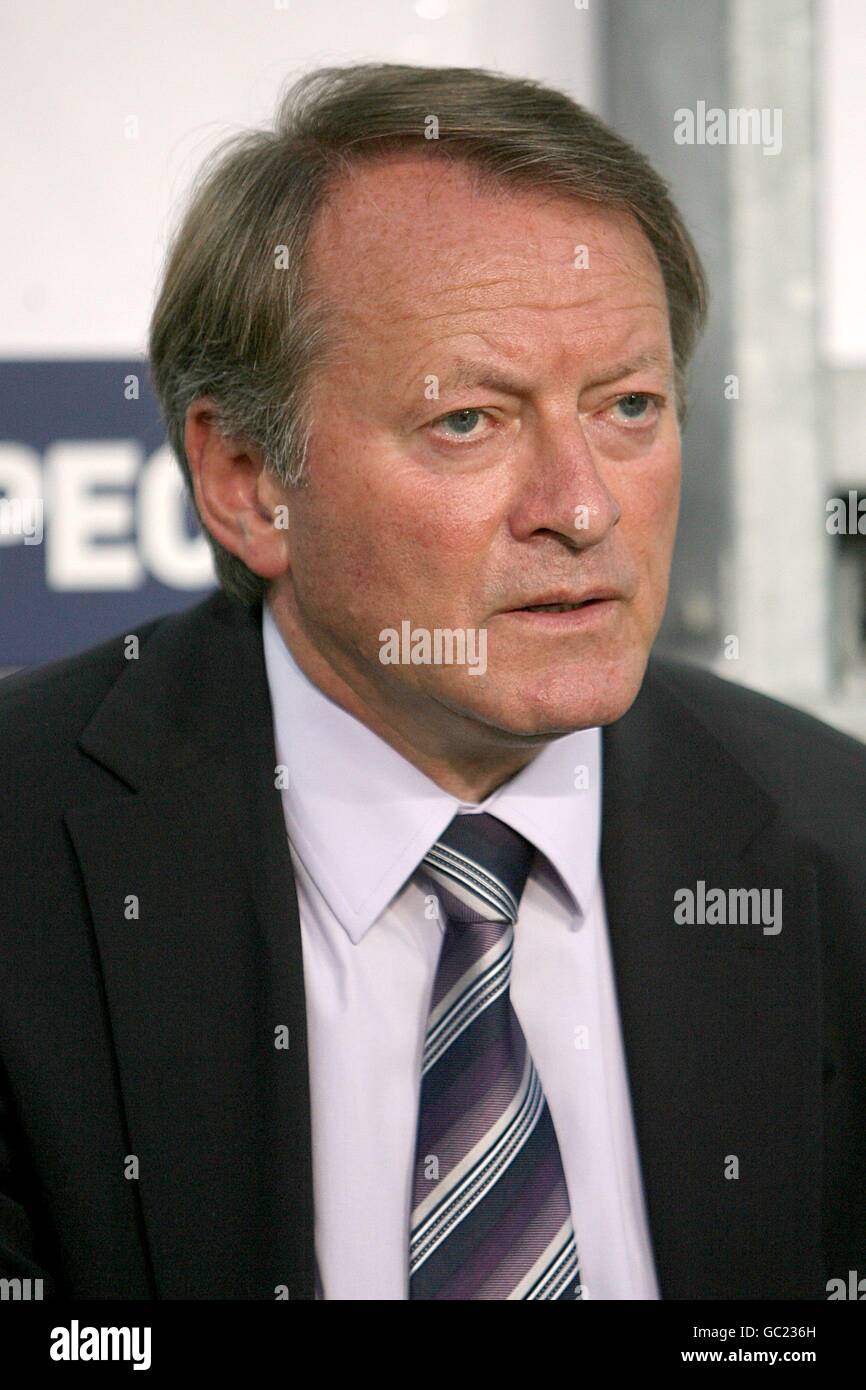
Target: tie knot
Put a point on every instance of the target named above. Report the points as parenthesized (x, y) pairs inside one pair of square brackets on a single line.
[(482, 864)]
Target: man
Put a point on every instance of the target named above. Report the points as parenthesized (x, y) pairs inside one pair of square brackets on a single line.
[(391, 925)]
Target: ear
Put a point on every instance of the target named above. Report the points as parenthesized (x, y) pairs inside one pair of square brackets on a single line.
[(236, 495)]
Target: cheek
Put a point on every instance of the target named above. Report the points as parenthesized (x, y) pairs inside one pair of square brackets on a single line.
[(648, 526), (369, 543), (660, 520), (654, 504), (441, 538), (419, 526)]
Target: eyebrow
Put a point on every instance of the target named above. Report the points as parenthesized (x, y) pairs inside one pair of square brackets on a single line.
[(466, 374)]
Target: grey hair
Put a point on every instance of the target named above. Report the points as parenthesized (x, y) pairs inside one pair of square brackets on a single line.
[(238, 320)]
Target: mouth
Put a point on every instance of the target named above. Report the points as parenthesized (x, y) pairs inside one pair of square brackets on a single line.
[(555, 607), (566, 603), (566, 612)]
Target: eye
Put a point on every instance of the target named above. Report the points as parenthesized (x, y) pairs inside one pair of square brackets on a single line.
[(463, 421), (635, 406)]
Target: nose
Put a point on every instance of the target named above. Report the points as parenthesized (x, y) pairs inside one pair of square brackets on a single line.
[(559, 489)]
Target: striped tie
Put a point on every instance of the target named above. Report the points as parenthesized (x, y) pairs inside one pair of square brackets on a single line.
[(490, 1215)]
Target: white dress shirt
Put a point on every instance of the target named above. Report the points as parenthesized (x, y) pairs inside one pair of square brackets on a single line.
[(359, 819)]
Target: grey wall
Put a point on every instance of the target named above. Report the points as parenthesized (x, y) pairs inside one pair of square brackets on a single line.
[(658, 57)]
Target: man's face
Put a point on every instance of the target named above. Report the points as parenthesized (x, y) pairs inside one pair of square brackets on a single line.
[(499, 431)]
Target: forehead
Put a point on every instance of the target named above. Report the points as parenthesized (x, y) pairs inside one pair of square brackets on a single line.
[(412, 243)]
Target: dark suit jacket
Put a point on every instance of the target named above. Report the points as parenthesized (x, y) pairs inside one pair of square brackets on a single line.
[(153, 1036)]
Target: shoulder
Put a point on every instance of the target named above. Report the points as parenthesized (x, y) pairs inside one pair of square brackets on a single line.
[(44, 709), (796, 757), (62, 695)]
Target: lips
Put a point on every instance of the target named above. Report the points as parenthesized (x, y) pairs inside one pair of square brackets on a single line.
[(563, 602), (551, 607)]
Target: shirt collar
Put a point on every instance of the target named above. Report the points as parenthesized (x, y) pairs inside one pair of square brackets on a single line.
[(361, 817)]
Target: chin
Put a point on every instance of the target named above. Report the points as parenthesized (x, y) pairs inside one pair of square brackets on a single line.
[(559, 701)]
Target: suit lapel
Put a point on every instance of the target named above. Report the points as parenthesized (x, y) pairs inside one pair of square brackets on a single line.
[(721, 1024), (204, 983)]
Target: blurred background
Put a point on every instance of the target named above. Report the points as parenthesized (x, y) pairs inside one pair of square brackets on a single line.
[(755, 113)]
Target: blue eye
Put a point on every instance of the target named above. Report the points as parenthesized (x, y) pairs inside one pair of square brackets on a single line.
[(460, 416), (634, 405)]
